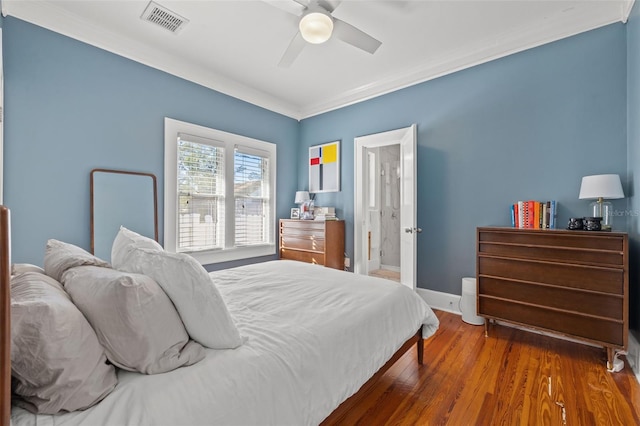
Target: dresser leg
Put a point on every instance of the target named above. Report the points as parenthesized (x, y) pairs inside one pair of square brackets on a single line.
[(614, 364)]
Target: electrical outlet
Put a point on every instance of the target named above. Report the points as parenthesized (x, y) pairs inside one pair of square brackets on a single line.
[(347, 262)]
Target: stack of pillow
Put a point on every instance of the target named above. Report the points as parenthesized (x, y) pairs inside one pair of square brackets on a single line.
[(75, 321)]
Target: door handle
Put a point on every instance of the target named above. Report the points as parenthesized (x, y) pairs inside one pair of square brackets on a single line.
[(408, 230)]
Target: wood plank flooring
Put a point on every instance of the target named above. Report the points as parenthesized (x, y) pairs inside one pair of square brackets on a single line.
[(386, 274), (512, 377)]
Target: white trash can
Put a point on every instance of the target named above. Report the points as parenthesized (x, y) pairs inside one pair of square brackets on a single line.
[(468, 302)]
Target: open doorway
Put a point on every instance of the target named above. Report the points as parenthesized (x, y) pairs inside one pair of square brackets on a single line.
[(383, 221), (385, 205)]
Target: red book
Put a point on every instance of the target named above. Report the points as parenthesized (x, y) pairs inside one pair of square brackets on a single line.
[(536, 215), (531, 213)]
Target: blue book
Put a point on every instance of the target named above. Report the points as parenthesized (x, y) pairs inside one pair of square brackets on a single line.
[(513, 216)]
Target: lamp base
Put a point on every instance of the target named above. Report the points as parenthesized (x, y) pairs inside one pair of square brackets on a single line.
[(603, 209)]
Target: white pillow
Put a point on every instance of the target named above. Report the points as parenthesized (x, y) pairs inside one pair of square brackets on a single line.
[(60, 256), (57, 363), (134, 320), (190, 288), (126, 241), (21, 268)]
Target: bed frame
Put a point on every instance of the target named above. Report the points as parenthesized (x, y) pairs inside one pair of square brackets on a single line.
[(5, 317), (5, 334)]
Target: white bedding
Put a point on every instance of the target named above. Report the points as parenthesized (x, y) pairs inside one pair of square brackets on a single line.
[(314, 336)]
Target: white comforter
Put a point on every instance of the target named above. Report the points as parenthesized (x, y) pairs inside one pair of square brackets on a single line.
[(314, 336)]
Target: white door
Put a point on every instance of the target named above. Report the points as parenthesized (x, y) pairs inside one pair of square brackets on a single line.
[(406, 138), (408, 198)]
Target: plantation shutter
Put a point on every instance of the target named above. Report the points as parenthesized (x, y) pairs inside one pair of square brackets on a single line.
[(252, 196), (201, 194)]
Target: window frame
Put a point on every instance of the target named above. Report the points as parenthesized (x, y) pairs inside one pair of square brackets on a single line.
[(172, 129)]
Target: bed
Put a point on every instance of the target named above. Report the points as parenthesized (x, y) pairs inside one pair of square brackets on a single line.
[(312, 337)]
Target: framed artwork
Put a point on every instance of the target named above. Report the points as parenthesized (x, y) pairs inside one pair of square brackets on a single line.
[(324, 167), (295, 213)]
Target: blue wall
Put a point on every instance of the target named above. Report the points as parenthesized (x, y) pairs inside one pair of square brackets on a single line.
[(527, 126), (633, 161), (71, 107)]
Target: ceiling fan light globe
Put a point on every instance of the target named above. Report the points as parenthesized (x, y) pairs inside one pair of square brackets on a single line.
[(316, 27)]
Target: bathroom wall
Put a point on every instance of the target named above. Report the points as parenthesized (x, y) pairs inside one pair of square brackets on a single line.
[(390, 206)]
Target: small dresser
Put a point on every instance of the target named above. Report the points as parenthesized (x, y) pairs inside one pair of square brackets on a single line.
[(313, 241), (574, 283)]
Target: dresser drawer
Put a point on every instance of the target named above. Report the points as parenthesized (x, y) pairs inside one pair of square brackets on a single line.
[(598, 304), (577, 239), (569, 255), (606, 280), (305, 225), (303, 256), (597, 329), (303, 232), (288, 241)]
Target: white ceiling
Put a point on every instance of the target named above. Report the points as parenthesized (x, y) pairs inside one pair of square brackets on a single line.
[(235, 46)]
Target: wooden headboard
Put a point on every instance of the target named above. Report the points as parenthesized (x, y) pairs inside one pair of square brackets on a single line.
[(5, 317)]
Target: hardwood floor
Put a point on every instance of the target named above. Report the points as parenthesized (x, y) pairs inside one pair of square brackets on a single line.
[(512, 377), (386, 274)]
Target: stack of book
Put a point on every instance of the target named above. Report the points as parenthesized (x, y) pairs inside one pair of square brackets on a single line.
[(325, 213), (534, 214)]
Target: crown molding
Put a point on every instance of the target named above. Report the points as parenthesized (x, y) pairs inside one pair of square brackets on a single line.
[(478, 53), (51, 17), (54, 18), (626, 10)]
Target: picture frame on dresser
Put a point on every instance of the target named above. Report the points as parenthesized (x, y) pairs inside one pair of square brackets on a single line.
[(295, 213)]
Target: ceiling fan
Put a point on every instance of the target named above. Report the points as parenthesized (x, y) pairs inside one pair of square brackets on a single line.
[(317, 25)]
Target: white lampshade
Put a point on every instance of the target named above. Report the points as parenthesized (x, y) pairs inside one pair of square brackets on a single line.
[(601, 186), (302, 196), (316, 27)]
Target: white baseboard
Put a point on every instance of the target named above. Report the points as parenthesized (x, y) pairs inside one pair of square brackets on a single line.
[(633, 355), (441, 301)]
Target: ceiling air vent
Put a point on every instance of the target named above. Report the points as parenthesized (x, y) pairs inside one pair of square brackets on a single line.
[(162, 16)]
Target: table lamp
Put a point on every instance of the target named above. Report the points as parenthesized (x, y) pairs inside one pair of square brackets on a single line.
[(302, 196), (306, 204), (600, 188)]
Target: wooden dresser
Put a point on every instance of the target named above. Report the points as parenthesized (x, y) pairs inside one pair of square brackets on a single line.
[(313, 241), (574, 283)]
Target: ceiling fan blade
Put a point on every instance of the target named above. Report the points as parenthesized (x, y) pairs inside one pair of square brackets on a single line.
[(290, 6), (355, 37), (329, 5), (295, 47)]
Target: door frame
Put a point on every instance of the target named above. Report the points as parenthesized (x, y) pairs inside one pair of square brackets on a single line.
[(361, 144)]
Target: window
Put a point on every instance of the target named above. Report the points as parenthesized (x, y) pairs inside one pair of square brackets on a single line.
[(219, 193), (251, 192)]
